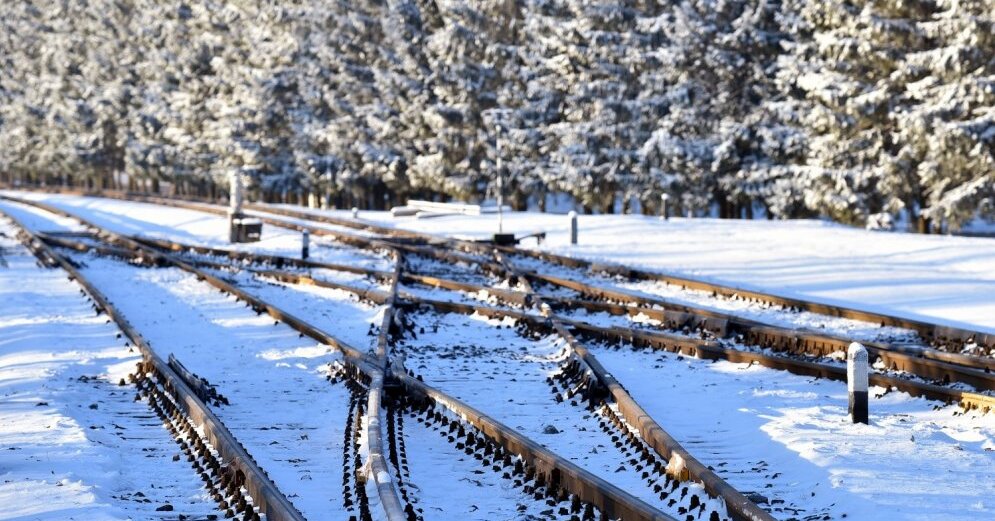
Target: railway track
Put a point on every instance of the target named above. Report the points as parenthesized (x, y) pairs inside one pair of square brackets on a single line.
[(942, 337), (558, 476), (679, 323), (230, 474), (568, 295), (934, 333)]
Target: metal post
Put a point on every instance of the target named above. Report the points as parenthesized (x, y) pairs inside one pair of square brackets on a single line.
[(856, 382), (305, 244), (664, 212), (355, 212), (573, 227)]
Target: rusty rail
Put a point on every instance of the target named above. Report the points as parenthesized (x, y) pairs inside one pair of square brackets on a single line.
[(713, 351), (681, 465), (974, 371), (936, 333), (614, 503)]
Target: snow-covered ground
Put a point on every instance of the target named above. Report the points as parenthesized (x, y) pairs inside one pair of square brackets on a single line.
[(256, 364), (253, 362), (936, 278), (788, 438), (185, 226)]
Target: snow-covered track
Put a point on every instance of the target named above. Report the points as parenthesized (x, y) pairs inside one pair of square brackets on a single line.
[(234, 478), (681, 464), (553, 476), (937, 334), (660, 340), (587, 487), (918, 362), (711, 350), (967, 369)]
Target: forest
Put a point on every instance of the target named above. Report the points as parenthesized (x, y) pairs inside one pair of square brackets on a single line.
[(858, 111)]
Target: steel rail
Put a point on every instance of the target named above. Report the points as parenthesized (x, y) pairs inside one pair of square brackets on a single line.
[(613, 502), (684, 345), (581, 483), (264, 493), (936, 333), (976, 374), (276, 260), (713, 351), (762, 334), (350, 353), (390, 499), (754, 333)]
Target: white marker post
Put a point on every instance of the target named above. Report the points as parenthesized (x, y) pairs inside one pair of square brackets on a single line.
[(856, 382), (235, 207), (355, 212), (573, 226), (664, 212), (305, 244)]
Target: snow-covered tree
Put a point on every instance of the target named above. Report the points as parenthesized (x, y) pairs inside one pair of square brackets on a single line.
[(838, 108)]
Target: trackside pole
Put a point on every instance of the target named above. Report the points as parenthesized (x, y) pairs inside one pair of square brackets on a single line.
[(856, 382), (234, 207), (664, 212), (355, 212), (573, 227), (305, 244)]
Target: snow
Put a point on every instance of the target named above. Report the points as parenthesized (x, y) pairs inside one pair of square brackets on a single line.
[(473, 493), (944, 279), (182, 225), (251, 360), (772, 315)]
